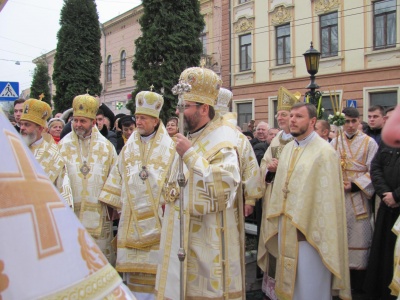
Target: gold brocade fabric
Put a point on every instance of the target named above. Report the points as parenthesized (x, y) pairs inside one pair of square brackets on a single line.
[(315, 207), (100, 157), (212, 229), (48, 156), (250, 189), (356, 155), (140, 203), (273, 151)]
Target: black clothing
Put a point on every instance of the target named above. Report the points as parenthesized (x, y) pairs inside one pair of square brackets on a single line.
[(385, 175), (67, 129), (374, 133), (259, 150), (17, 128)]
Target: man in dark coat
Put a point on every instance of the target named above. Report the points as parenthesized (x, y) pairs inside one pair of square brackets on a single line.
[(385, 175)]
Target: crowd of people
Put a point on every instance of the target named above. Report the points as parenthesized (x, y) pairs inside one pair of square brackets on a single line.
[(326, 198)]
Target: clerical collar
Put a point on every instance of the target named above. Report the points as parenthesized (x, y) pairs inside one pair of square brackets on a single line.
[(37, 142), (305, 141), (285, 136), (146, 138), (197, 132), (350, 136)]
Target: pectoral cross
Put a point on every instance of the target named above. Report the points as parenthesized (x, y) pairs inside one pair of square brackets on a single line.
[(285, 191)]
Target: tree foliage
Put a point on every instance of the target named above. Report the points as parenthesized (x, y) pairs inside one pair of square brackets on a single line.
[(78, 58), (169, 44), (40, 82)]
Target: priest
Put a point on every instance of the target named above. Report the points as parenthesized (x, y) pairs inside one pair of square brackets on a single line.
[(89, 158), (32, 126), (306, 220)]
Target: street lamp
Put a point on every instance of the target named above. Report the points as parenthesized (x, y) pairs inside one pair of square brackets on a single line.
[(312, 57)]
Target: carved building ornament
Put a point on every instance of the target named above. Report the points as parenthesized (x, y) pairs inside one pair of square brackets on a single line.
[(243, 24), (323, 6), (281, 14)]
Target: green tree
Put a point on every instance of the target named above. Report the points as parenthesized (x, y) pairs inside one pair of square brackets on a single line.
[(40, 82), (78, 59), (169, 44)]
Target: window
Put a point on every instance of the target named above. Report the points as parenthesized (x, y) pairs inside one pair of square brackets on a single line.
[(245, 52), (283, 44), (123, 64), (384, 24), (329, 34), (109, 68), (203, 40), (244, 114), (385, 99), (327, 105)]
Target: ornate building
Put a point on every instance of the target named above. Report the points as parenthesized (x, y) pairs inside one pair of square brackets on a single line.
[(263, 44), (118, 49)]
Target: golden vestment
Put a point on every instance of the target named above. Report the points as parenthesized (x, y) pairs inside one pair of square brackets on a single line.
[(310, 202), (356, 155), (274, 150), (211, 226), (49, 158), (45, 253), (249, 190), (97, 153), (140, 203)]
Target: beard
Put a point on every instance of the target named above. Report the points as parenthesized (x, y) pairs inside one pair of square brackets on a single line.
[(300, 131), (29, 138), (191, 122), (82, 132)]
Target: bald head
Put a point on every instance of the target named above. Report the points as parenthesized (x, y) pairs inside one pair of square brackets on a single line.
[(262, 131), (323, 128)]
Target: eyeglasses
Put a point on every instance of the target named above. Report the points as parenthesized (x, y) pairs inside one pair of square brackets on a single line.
[(186, 106)]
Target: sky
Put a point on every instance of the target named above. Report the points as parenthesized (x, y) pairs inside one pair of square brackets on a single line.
[(29, 29)]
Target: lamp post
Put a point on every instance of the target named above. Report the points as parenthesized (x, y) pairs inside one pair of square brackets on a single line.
[(312, 58)]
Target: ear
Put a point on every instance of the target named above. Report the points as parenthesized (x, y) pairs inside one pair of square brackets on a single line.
[(204, 109), (94, 122)]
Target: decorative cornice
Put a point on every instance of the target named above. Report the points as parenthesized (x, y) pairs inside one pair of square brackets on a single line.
[(281, 14), (243, 24), (323, 6)]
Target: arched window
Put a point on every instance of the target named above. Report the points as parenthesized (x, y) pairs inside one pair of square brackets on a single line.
[(123, 65), (109, 68)]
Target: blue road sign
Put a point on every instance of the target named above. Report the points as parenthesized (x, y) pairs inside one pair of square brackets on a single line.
[(352, 103), (9, 91)]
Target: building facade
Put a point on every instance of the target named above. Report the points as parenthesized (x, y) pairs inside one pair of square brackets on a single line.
[(118, 49), (263, 44)]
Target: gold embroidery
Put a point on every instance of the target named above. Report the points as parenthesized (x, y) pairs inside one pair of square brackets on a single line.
[(94, 258), (28, 192)]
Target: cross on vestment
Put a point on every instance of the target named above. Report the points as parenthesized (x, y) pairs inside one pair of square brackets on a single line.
[(202, 146), (101, 152), (286, 191), (28, 192)]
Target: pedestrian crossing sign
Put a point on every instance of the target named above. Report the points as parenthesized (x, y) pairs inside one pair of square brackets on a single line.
[(9, 91), (352, 103)]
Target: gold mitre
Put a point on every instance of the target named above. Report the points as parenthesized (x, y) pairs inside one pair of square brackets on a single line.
[(85, 106), (205, 85), (36, 111), (149, 103), (286, 99), (224, 98)]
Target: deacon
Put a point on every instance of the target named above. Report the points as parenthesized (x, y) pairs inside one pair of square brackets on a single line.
[(136, 188), (89, 157), (212, 268), (32, 125), (306, 221), (356, 151), (269, 164)]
